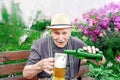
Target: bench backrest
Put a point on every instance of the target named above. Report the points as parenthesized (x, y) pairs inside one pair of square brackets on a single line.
[(7, 69)]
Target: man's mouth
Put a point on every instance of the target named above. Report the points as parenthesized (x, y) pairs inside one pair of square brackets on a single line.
[(60, 41)]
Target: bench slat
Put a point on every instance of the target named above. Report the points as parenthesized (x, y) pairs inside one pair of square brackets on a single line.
[(11, 68), (18, 78), (14, 55)]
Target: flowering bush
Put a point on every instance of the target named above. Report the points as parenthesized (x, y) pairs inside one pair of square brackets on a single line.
[(102, 27)]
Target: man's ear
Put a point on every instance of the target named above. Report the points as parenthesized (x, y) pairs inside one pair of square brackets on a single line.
[(47, 32)]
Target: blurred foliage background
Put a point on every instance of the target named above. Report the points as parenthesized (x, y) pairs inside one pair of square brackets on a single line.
[(14, 34)]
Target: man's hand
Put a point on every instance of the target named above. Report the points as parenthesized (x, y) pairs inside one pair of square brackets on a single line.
[(43, 65), (47, 65), (93, 50)]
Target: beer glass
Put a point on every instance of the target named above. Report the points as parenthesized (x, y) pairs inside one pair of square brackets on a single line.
[(59, 66)]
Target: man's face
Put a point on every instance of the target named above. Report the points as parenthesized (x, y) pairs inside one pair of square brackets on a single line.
[(61, 36)]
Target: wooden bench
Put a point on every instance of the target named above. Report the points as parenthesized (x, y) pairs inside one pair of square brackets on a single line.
[(12, 69)]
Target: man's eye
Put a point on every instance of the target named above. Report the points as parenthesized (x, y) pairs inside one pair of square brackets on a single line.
[(64, 33), (56, 33)]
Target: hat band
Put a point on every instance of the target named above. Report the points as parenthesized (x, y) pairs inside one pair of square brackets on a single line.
[(60, 25)]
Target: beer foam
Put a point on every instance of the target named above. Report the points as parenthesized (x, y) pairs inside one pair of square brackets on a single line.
[(60, 60)]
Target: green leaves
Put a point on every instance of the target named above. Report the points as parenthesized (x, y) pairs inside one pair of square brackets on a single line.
[(4, 14), (41, 25), (102, 73), (12, 28)]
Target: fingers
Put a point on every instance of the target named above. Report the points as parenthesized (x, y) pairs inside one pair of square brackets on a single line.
[(91, 49), (49, 70), (50, 59), (48, 65), (100, 62), (103, 60), (85, 48), (97, 49)]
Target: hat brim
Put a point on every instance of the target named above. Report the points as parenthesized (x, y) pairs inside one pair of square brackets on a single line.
[(59, 26)]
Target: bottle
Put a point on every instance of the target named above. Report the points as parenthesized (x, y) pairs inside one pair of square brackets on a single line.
[(82, 54)]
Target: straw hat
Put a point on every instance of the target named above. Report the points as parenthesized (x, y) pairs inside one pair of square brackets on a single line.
[(60, 21)]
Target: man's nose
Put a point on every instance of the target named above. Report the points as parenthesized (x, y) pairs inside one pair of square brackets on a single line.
[(60, 36)]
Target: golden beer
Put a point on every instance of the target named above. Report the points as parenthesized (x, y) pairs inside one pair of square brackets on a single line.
[(59, 73), (59, 66)]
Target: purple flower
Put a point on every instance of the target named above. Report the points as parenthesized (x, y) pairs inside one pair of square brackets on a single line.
[(76, 20), (94, 39), (104, 24), (84, 30), (117, 22), (90, 32), (97, 32), (92, 22), (101, 12), (86, 16), (98, 21), (111, 8), (118, 58)]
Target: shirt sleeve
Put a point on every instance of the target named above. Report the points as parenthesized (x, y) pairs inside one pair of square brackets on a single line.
[(35, 55)]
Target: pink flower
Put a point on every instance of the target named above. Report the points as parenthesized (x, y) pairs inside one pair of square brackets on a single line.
[(76, 20), (117, 22), (118, 57)]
